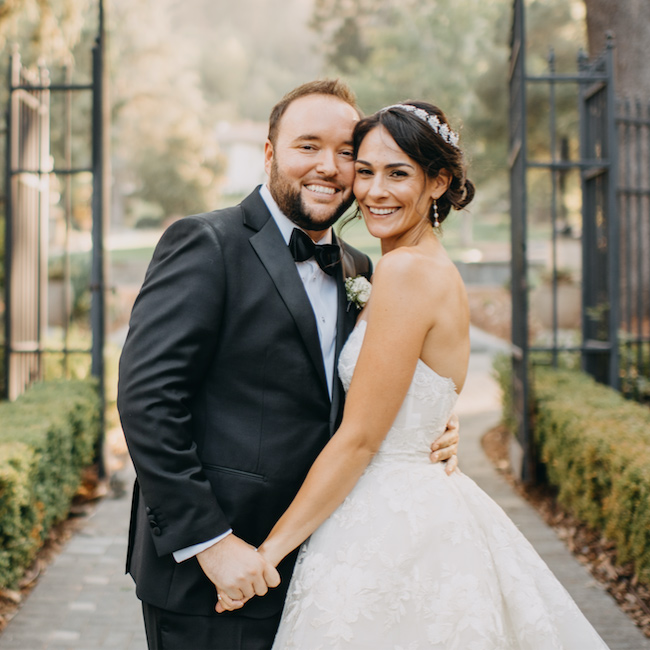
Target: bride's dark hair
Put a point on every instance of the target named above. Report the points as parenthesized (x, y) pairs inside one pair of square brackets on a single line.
[(418, 140)]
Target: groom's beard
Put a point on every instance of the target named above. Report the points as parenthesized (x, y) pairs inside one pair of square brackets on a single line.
[(292, 206)]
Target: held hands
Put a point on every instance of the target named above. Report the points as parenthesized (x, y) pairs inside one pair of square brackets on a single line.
[(445, 447), (238, 572)]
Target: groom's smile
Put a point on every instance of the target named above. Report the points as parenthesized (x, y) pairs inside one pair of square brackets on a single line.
[(322, 189)]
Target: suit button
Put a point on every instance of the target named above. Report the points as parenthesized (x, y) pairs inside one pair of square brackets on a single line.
[(156, 531), (148, 510)]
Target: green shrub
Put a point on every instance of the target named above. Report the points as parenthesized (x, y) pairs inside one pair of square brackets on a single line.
[(502, 372), (595, 446), (47, 437)]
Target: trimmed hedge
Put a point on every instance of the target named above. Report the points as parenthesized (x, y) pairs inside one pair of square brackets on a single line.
[(47, 437), (595, 446)]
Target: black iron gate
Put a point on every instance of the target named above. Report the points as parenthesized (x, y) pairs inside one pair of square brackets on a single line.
[(518, 159), (598, 348), (29, 172)]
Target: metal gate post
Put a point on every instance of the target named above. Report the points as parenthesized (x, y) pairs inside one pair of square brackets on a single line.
[(613, 228), (600, 237), (521, 450), (98, 295)]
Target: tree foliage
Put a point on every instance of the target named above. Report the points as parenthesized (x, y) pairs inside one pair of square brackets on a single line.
[(162, 152), (453, 54), (197, 62), (43, 28), (251, 53)]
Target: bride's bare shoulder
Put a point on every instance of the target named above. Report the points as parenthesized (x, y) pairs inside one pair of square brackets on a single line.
[(401, 261), (417, 270)]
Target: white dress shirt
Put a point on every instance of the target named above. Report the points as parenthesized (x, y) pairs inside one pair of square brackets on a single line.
[(322, 293), (321, 288)]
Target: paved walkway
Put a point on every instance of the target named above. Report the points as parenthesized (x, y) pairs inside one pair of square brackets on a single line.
[(85, 602)]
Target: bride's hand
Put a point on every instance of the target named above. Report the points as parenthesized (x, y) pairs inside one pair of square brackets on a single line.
[(445, 447), (266, 550), (227, 604)]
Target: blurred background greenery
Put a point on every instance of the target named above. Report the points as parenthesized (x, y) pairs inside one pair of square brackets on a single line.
[(191, 84)]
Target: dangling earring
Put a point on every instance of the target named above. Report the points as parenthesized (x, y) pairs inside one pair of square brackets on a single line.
[(436, 221)]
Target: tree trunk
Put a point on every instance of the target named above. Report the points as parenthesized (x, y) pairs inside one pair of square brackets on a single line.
[(629, 22)]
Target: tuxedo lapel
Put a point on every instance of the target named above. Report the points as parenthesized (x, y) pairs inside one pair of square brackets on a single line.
[(346, 319), (274, 254), (347, 313)]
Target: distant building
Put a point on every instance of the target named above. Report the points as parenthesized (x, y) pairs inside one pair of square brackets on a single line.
[(242, 145)]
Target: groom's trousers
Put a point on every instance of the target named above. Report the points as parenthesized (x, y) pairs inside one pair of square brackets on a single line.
[(171, 631)]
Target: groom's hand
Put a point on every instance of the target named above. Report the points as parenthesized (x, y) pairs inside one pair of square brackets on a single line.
[(237, 570), (445, 447)]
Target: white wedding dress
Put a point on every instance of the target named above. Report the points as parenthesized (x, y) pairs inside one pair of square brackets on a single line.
[(416, 559)]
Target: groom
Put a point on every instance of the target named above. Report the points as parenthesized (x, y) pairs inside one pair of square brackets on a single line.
[(227, 388)]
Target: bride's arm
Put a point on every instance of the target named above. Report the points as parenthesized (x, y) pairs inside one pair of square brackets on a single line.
[(400, 315)]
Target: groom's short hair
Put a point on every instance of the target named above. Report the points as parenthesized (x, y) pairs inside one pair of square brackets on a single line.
[(332, 87)]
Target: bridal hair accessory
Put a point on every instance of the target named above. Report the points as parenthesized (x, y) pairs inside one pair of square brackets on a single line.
[(438, 127), (357, 290), (436, 220)]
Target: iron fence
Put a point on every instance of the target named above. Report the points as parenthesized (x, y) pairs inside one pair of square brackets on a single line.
[(633, 131)]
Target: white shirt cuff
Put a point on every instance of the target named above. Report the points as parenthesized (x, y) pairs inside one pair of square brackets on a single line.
[(191, 551)]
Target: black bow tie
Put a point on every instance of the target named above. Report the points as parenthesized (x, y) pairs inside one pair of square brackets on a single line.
[(327, 256)]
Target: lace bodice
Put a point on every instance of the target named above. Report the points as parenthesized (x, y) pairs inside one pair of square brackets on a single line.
[(424, 414)]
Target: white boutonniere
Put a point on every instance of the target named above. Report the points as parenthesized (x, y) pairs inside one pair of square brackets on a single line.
[(357, 290)]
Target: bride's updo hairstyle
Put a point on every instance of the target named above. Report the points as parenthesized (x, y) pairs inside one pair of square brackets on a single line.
[(422, 132)]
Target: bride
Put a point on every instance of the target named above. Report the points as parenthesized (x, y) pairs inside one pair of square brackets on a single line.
[(401, 555)]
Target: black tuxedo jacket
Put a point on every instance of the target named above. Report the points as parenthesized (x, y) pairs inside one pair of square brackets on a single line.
[(222, 396)]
